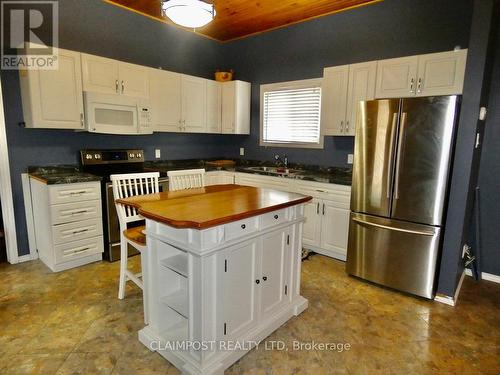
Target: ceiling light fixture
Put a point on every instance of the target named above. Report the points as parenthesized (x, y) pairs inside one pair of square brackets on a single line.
[(189, 13)]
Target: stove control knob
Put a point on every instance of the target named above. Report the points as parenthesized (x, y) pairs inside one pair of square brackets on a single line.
[(131, 155), (138, 155), (88, 156), (97, 156)]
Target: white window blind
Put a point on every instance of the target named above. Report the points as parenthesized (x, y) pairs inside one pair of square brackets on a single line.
[(292, 115)]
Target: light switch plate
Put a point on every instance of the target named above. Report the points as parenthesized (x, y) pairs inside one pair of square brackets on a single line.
[(157, 153), (350, 158), (242, 151)]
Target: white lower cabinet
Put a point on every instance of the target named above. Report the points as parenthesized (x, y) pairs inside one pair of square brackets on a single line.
[(334, 228), (234, 283), (219, 178), (311, 234), (238, 273), (326, 227), (67, 223)]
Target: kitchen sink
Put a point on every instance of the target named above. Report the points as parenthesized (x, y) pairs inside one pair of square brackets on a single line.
[(276, 170)]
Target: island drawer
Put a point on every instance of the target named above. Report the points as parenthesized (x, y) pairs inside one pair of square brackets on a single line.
[(78, 230), (240, 228), (78, 249), (69, 212), (273, 218), (68, 193)]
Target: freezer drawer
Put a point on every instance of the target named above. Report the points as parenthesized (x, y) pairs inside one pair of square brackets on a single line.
[(393, 253)]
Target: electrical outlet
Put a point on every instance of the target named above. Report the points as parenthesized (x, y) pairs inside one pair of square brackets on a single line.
[(157, 153), (350, 158), (242, 151)]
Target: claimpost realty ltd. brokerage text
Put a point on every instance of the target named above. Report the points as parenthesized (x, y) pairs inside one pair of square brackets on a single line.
[(229, 345)]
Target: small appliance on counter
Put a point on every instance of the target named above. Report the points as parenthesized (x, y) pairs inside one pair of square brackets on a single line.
[(402, 158), (104, 163)]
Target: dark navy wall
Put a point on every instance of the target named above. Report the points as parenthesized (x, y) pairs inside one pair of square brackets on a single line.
[(466, 159), (489, 176), (391, 28), (96, 27)]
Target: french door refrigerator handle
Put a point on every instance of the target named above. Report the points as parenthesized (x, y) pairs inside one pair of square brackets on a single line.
[(391, 154), (423, 233), (398, 158)]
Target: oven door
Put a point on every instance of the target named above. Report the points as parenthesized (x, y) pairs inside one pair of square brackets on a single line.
[(111, 113), (112, 250)]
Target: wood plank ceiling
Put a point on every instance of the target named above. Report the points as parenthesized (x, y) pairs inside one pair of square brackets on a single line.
[(239, 18)]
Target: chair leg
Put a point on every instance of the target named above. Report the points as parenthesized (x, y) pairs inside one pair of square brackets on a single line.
[(123, 267), (145, 290)]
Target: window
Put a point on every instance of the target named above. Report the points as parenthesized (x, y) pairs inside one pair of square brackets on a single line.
[(290, 114)]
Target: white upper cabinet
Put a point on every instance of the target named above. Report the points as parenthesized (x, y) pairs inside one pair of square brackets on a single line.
[(214, 110), (421, 75), (133, 80), (441, 73), (343, 87), (100, 74), (236, 107), (165, 100), (334, 99), (396, 77), (110, 76), (361, 87), (193, 99), (53, 98)]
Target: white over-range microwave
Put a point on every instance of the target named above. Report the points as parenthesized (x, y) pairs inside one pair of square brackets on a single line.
[(117, 114)]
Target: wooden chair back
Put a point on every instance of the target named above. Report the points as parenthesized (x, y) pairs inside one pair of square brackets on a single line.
[(186, 179)]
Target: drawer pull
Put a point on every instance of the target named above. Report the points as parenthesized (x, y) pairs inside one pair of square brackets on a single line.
[(78, 192), (257, 281), (80, 231), (276, 217), (81, 250), (264, 278), (320, 191), (243, 226), (78, 212)]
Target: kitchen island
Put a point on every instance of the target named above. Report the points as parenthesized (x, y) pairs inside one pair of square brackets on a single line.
[(221, 271)]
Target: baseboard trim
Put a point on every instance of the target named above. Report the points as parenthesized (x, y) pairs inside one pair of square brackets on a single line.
[(485, 276), (26, 258), (447, 300)]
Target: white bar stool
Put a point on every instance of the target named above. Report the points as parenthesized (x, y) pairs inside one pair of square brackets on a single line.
[(128, 185), (186, 179)]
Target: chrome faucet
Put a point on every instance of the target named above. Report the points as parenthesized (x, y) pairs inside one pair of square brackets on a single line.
[(278, 160)]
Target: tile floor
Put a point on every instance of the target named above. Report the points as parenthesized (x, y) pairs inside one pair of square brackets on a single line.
[(72, 323)]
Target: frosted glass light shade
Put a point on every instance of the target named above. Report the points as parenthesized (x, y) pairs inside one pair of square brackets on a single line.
[(189, 13)]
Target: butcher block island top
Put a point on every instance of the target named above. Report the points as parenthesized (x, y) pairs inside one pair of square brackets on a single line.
[(212, 205)]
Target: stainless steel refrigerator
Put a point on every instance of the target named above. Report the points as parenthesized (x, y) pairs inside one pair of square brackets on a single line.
[(402, 158)]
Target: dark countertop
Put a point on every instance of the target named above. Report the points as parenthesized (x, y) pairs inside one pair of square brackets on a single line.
[(68, 174), (331, 175), (61, 174)]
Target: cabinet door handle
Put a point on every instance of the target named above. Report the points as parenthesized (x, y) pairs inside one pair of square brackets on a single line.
[(264, 278), (116, 86), (419, 85), (123, 87), (257, 281), (341, 126), (412, 81), (81, 119), (276, 217), (323, 208), (317, 208), (243, 226), (347, 127)]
